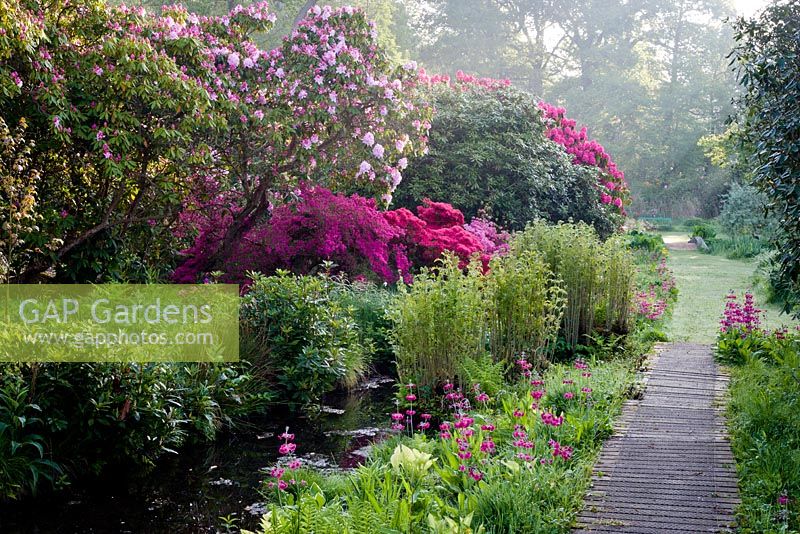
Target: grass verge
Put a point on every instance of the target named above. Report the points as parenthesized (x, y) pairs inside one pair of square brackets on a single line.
[(703, 281)]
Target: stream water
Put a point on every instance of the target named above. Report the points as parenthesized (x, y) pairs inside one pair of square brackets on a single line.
[(188, 493)]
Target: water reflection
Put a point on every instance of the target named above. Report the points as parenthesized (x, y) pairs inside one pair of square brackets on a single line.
[(188, 493)]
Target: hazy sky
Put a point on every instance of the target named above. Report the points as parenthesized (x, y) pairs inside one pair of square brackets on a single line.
[(749, 7)]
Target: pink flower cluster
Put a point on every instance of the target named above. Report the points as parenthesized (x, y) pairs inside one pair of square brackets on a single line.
[(650, 305), (463, 81), (560, 450), (524, 366), (470, 435), (585, 151), (405, 420), (286, 449), (350, 231), (552, 420), (746, 317)]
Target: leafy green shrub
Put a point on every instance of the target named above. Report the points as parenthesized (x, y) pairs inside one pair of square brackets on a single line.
[(296, 331), (744, 214), (24, 458), (438, 320), (748, 230), (767, 53), (525, 303), (102, 414), (764, 418), (617, 273), (369, 303), (489, 151), (704, 230), (644, 241)]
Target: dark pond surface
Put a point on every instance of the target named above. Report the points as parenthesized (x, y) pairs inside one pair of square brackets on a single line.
[(190, 492)]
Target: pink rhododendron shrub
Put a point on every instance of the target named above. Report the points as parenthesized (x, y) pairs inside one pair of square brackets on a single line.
[(585, 151), (327, 105), (489, 152), (463, 81)]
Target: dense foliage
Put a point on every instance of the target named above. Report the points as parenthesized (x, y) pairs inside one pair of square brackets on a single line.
[(744, 228), (298, 333), (556, 288), (489, 152), (596, 275), (744, 214), (768, 56), (764, 420), (142, 116), (60, 422), (437, 321)]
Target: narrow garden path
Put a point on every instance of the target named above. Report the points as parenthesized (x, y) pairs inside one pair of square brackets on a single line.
[(669, 467)]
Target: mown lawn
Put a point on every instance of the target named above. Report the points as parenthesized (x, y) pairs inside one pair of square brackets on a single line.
[(703, 281)]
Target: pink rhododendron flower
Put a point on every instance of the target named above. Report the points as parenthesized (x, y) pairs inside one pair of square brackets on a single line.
[(364, 168)]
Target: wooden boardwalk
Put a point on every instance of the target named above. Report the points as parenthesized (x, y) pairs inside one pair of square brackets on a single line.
[(668, 468)]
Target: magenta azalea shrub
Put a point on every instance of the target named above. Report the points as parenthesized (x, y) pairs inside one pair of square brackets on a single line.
[(350, 231)]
